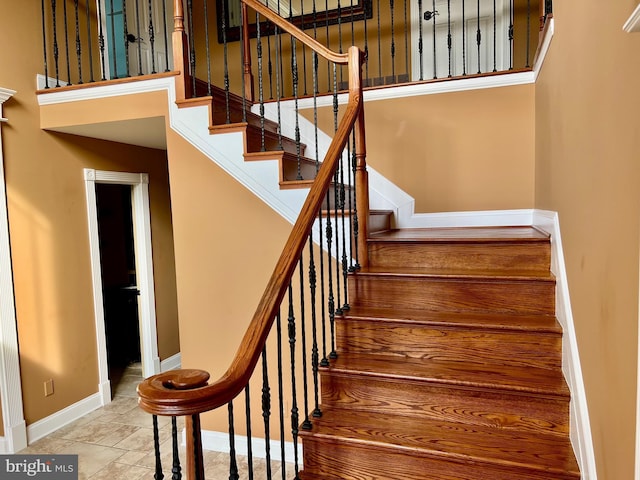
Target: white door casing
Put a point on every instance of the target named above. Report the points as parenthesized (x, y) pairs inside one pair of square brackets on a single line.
[(144, 271)]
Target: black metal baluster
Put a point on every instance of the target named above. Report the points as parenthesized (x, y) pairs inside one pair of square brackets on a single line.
[(208, 48), (233, 464), (306, 424), (176, 471), (380, 80), (528, 32), (166, 37), (125, 35), (266, 412), (278, 42), (356, 225), (44, 45), (66, 41), (247, 409), (294, 402), (152, 38), (55, 43), (304, 51), (101, 41), (464, 40), (269, 66), (326, 18), (260, 82), (511, 34), (449, 39), (353, 35), (406, 38), (340, 35), (367, 5), (158, 475), (345, 305), (420, 45), (192, 49), (314, 329), (330, 299), (294, 72), (393, 41), (280, 396), (478, 36), (351, 186), (435, 55), (78, 43), (242, 59), (197, 450), (138, 38), (495, 44), (90, 43), (336, 199)]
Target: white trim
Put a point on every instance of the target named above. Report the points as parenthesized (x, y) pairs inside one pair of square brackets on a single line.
[(172, 363), (633, 23), (581, 437), (544, 47), (144, 270), (15, 433), (50, 424), (219, 442), (4, 446)]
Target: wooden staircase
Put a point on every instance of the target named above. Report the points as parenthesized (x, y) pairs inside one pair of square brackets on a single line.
[(449, 364)]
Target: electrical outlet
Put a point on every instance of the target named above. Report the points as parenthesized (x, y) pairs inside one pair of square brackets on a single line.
[(48, 387)]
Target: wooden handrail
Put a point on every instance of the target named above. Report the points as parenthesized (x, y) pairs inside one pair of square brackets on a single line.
[(182, 392)]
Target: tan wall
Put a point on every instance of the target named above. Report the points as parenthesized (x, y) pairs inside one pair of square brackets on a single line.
[(443, 151), (49, 232), (587, 169)]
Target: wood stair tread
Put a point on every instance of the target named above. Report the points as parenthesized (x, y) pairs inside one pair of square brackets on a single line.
[(505, 378), (473, 444), (466, 234), (493, 321), (445, 273)]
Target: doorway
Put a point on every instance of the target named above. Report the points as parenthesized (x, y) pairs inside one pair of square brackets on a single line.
[(119, 281), (130, 287)]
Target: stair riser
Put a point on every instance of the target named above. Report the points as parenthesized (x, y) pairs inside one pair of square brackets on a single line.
[(449, 343), (346, 461), (469, 295), (271, 140), (441, 402), (461, 256)]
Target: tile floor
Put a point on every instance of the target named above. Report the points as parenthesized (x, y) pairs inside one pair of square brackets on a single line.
[(116, 442)]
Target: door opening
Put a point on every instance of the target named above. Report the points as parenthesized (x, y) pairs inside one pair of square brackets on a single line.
[(119, 281)]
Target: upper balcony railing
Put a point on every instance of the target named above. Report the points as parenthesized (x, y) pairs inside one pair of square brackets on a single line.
[(404, 41)]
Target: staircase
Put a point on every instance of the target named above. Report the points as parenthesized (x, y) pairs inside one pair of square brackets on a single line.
[(449, 364)]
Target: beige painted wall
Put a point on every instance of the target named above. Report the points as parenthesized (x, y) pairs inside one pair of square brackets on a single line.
[(49, 232), (454, 152), (587, 144)]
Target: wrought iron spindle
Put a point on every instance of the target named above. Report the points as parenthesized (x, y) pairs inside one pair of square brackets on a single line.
[(90, 43), (435, 53), (165, 34), (280, 393), (247, 409), (352, 22), (326, 18), (192, 49), (78, 43), (44, 46), (528, 31), (478, 35), (66, 41), (356, 225), (205, 7), (233, 464), (393, 41), (380, 80), (294, 72), (269, 66), (294, 400), (196, 443), (304, 52), (242, 60), (266, 412), (420, 45), (125, 35), (314, 329), (464, 40), (176, 470), (158, 475), (152, 38), (367, 4), (449, 38), (55, 43), (138, 38), (278, 81), (511, 34), (340, 35), (345, 305), (495, 38), (406, 38), (336, 200), (101, 41), (260, 82), (306, 424)]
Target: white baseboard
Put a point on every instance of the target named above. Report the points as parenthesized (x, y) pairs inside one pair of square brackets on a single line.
[(488, 218), (172, 363), (219, 442), (50, 424), (581, 438)]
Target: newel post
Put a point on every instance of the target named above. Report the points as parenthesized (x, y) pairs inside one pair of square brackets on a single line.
[(361, 177), (181, 52), (246, 60)]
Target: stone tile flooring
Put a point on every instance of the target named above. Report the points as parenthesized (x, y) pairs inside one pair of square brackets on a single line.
[(116, 442)]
